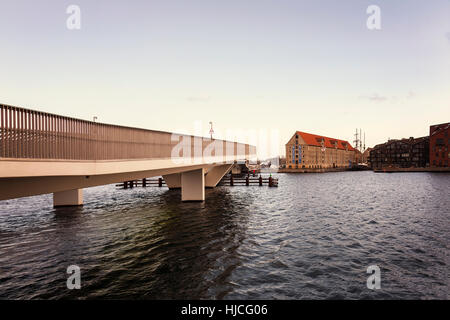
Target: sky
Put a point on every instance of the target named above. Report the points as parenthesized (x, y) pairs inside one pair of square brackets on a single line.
[(270, 67)]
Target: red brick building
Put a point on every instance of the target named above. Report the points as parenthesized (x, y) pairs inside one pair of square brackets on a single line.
[(439, 145), (404, 153)]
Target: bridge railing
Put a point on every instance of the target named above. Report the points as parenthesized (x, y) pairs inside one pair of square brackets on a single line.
[(29, 134)]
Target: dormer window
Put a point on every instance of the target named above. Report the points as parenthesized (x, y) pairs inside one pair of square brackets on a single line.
[(334, 143)]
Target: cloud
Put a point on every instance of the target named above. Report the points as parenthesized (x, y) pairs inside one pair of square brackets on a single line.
[(448, 36), (198, 99), (375, 98), (411, 95)]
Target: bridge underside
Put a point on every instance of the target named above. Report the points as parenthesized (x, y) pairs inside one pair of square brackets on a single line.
[(66, 179)]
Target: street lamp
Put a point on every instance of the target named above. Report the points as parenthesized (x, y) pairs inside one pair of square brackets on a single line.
[(211, 131)]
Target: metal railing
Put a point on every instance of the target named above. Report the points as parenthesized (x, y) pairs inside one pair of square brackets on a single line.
[(29, 134)]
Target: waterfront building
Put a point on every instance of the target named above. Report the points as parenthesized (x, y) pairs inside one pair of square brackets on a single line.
[(282, 162), (366, 155), (306, 150), (362, 157), (401, 153), (358, 156), (439, 145)]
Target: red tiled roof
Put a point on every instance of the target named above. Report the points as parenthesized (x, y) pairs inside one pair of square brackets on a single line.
[(315, 140)]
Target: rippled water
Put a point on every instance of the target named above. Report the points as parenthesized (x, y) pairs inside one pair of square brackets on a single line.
[(312, 237)]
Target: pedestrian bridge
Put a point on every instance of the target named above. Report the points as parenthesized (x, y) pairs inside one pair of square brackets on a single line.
[(44, 153)]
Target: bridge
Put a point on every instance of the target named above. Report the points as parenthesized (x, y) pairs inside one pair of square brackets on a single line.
[(43, 153)]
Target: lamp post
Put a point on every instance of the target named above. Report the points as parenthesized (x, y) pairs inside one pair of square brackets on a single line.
[(211, 131)]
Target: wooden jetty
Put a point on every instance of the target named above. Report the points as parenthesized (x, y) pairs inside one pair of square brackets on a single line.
[(142, 183), (231, 180)]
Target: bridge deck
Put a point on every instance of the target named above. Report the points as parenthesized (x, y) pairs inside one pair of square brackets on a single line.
[(43, 153)]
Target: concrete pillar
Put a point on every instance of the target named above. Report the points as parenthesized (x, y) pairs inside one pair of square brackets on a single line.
[(68, 198), (193, 185), (173, 181), (216, 174)]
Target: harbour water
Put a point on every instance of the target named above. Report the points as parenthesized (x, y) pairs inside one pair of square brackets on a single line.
[(313, 237)]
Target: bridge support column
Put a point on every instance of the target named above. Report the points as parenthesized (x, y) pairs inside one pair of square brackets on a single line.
[(173, 181), (68, 198), (193, 185), (216, 174)]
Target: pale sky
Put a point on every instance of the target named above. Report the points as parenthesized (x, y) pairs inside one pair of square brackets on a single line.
[(255, 65)]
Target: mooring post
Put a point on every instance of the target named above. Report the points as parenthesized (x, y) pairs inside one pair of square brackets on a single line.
[(231, 181), (270, 181), (260, 180), (131, 184), (144, 182), (125, 185), (247, 181), (160, 182)]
